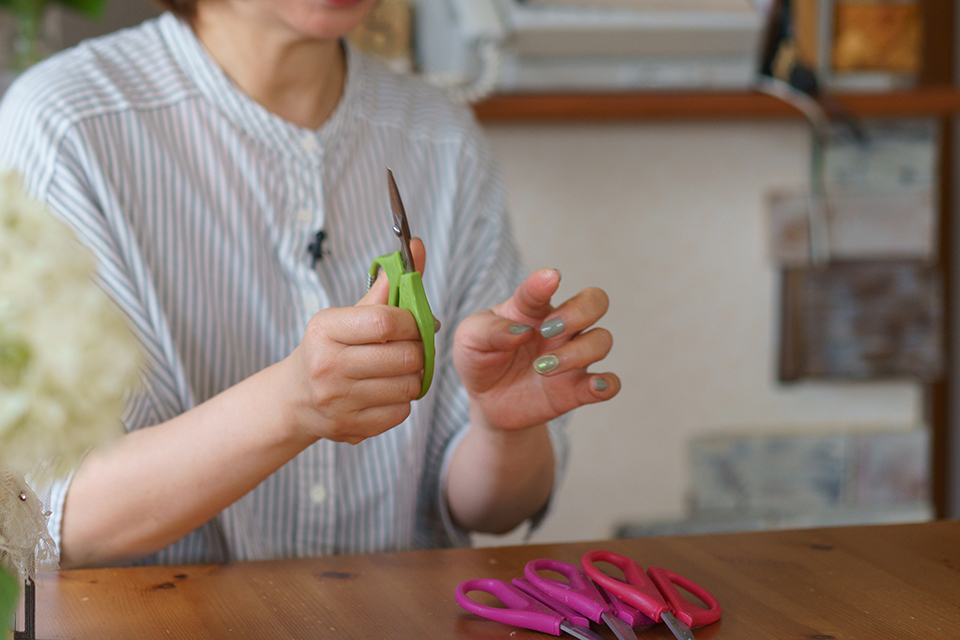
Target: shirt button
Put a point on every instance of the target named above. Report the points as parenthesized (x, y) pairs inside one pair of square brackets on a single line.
[(308, 143), (305, 216), (318, 494), (312, 303)]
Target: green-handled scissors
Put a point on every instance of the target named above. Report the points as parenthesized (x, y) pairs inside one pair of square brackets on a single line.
[(406, 285)]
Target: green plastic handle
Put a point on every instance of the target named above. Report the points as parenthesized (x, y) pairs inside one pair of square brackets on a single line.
[(406, 292)]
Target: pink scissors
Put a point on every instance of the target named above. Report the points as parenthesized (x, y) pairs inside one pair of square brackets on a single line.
[(538, 613), (653, 593), (584, 597)]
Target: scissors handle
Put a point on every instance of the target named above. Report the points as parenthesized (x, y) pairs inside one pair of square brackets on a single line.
[(406, 292), (522, 610), (637, 590), (631, 615), (572, 616), (685, 611), (578, 592)]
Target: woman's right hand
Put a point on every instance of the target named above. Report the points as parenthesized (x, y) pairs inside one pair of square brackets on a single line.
[(352, 376), (357, 369)]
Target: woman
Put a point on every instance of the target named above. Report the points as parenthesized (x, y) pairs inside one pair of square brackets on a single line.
[(198, 155)]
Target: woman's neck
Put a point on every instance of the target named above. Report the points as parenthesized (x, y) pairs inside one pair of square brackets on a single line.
[(298, 78)]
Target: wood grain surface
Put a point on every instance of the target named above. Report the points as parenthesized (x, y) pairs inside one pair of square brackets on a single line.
[(857, 582)]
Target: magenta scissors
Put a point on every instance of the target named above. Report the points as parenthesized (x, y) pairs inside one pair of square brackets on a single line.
[(538, 613), (654, 593), (583, 596)]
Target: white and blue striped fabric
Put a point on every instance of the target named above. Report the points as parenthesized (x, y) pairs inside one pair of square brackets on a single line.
[(200, 206)]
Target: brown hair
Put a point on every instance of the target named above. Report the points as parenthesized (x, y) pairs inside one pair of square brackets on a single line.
[(182, 8)]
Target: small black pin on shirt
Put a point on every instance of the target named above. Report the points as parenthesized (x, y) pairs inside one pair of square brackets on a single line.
[(315, 248)]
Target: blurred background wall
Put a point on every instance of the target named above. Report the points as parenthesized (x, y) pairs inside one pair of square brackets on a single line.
[(669, 219)]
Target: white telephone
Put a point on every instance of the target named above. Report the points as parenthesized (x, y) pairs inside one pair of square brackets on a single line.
[(459, 45)]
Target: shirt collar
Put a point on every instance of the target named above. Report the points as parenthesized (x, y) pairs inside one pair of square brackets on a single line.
[(253, 119)]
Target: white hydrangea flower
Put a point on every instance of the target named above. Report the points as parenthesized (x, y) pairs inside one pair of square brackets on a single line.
[(67, 354)]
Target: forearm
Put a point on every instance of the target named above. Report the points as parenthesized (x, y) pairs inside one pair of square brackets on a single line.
[(155, 485), (498, 479)]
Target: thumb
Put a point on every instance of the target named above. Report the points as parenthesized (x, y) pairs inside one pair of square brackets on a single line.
[(379, 293), (532, 298)]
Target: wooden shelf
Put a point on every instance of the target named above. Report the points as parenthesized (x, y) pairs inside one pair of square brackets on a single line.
[(939, 101)]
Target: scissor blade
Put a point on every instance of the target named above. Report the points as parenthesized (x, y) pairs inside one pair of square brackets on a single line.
[(679, 629), (400, 225), (579, 632), (621, 629)]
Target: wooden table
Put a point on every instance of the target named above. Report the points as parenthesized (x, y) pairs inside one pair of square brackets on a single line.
[(856, 582)]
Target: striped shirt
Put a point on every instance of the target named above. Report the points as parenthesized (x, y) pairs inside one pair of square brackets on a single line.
[(200, 205)]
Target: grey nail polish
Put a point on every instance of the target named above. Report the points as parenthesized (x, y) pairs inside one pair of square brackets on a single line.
[(552, 328), (517, 329), (599, 384), (546, 364)]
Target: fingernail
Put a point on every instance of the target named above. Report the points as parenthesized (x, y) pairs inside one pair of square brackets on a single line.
[(546, 364), (599, 384), (552, 328), (517, 329)]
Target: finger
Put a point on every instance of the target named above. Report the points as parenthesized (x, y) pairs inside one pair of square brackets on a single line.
[(364, 324), (487, 331), (381, 419), (597, 388), (379, 293), (388, 360), (532, 298), (380, 392), (370, 422), (576, 314), (579, 353), (578, 388), (419, 254)]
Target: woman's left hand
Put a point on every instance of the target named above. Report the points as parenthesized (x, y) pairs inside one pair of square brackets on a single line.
[(525, 362)]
